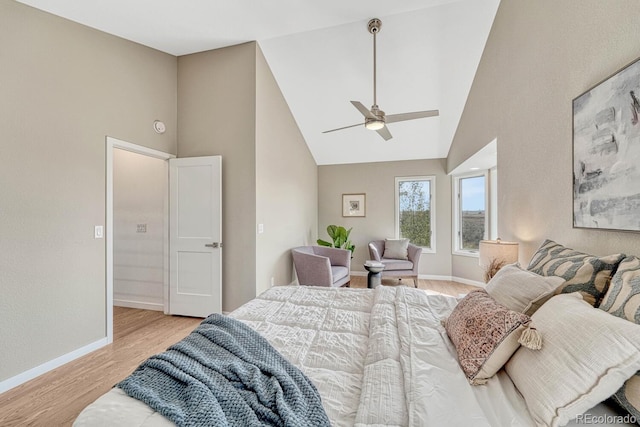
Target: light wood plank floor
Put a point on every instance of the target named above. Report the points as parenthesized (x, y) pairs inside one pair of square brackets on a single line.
[(442, 286), (56, 398)]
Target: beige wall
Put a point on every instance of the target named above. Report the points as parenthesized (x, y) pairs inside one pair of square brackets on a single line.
[(63, 88), (286, 183), (539, 56), (140, 197), (230, 104), (217, 116), (377, 180)]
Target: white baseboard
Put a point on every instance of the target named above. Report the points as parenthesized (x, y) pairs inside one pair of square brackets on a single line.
[(22, 378), (138, 304), (469, 282)]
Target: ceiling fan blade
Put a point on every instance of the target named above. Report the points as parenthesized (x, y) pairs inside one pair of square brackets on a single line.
[(346, 127), (384, 132), (411, 116), (364, 110)]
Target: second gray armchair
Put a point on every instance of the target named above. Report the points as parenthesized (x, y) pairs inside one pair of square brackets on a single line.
[(400, 258), (322, 266)]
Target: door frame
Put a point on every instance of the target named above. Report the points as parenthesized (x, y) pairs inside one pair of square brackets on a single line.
[(111, 144)]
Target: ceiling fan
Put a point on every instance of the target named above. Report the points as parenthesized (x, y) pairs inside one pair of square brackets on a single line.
[(376, 119)]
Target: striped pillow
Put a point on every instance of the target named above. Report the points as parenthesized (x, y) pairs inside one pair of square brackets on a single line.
[(623, 300), (584, 273), (623, 297)]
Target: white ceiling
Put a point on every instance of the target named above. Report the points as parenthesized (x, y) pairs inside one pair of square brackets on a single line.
[(321, 55)]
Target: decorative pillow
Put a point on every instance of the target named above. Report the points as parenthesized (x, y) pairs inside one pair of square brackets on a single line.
[(583, 273), (521, 290), (623, 300), (486, 334), (629, 396), (623, 297), (587, 355), (396, 248)]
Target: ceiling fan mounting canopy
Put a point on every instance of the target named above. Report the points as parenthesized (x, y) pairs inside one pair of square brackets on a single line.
[(374, 25), (375, 118)]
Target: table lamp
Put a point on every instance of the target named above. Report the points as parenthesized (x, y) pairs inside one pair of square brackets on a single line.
[(495, 254)]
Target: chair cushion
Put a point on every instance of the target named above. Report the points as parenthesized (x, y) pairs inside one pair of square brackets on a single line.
[(338, 272), (396, 248), (396, 264)]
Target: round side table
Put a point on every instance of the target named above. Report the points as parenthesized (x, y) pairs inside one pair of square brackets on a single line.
[(374, 278)]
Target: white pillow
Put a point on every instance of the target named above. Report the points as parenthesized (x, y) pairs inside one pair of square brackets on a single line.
[(521, 290), (396, 248), (587, 354)]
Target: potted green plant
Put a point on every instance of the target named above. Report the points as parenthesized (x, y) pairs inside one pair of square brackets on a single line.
[(340, 237)]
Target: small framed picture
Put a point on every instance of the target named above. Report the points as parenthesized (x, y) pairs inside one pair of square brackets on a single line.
[(354, 205)]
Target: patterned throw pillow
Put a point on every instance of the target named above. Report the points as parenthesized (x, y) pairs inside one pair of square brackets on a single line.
[(623, 300), (623, 297), (521, 290), (584, 273), (485, 335)]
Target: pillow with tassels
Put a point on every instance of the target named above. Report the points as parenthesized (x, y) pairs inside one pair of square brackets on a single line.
[(486, 334)]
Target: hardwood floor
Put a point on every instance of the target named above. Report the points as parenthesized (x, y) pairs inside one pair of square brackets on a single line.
[(444, 287), (57, 397)]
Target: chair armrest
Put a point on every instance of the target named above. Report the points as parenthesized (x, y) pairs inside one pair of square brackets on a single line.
[(414, 253), (312, 269), (336, 256)]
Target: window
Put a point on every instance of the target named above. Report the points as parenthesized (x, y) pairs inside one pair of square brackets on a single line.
[(415, 208), (471, 211)]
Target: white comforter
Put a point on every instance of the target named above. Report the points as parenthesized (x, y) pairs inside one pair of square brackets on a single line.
[(378, 358)]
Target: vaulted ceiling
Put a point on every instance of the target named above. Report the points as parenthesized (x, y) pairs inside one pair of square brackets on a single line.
[(321, 55)]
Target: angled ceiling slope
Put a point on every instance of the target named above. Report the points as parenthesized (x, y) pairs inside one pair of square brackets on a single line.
[(321, 57)]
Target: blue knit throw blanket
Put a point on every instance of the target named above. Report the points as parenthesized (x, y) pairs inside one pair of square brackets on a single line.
[(226, 374)]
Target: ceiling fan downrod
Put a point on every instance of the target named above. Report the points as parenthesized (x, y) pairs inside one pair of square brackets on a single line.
[(374, 27)]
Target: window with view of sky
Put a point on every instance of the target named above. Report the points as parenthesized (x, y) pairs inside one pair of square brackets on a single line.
[(472, 211)]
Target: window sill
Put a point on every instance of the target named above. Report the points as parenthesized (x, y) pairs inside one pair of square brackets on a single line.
[(470, 254), (428, 250)]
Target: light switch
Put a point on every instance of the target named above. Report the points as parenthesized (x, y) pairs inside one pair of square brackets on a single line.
[(141, 228), (260, 228), (98, 232)]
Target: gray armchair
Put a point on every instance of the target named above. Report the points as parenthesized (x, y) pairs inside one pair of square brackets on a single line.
[(394, 267), (322, 266)]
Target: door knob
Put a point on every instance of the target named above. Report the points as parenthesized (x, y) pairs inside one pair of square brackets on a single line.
[(213, 245)]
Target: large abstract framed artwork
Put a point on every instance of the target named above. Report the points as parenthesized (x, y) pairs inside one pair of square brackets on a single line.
[(606, 153)]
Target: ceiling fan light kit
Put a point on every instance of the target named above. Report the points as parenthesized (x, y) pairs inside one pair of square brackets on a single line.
[(373, 124), (375, 118)]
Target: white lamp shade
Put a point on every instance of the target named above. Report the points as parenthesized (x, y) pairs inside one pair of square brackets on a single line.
[(506, 252)]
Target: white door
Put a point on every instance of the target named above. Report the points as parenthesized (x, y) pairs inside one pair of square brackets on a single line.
[(195, 236)]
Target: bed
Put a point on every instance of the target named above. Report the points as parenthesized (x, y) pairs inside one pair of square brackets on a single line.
[(378, 357)]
